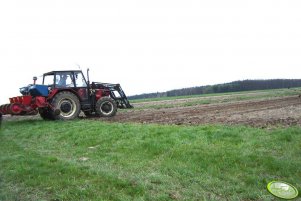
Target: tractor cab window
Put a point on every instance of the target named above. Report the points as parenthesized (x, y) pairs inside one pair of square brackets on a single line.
[(48, 80), (80, 80), (64, 80)]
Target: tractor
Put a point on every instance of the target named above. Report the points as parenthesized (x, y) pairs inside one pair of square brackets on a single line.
[(64, 94)]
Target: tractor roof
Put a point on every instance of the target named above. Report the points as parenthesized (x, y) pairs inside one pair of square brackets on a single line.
[(62, 71)]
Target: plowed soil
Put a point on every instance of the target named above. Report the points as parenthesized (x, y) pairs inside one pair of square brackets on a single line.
[(285, 111)]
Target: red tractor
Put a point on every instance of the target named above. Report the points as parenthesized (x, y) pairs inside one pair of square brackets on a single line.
[(64, 94)]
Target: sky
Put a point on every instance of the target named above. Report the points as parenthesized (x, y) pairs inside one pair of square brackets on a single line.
[(149, 46)]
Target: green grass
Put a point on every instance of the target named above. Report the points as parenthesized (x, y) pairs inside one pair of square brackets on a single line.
[(91, 160), (217, 98), (267, 94)]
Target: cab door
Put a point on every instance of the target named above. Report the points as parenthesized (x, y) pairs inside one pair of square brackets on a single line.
[(81, 87)]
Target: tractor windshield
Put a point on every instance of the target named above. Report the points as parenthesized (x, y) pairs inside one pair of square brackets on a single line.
[(48, 80)]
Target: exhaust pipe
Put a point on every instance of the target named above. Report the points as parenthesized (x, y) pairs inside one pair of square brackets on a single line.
[(34, 80)]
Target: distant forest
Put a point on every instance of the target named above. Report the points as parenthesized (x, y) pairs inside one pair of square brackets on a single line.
[(244, 85)]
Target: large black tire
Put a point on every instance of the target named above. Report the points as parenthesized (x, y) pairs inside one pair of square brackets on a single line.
[(68, 104), (46, 114), (106, 107)]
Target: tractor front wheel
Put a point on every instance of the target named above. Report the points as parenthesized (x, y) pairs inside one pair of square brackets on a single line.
[(106, 107), (68, 104)]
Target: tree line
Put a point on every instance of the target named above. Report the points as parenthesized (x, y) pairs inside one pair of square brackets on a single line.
[(236, 86)]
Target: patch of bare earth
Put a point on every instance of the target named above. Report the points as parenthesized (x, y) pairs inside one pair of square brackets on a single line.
[(258, 113)]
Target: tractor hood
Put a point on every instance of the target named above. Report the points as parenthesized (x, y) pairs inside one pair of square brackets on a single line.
[(35, 90)]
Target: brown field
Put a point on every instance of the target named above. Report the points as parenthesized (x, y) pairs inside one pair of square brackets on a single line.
[(266, 112)]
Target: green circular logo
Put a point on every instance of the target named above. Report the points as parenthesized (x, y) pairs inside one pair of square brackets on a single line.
[(282, 190)]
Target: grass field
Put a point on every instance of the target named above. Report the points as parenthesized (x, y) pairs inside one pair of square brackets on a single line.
[(91, 160), (244, 94), (184, 101)]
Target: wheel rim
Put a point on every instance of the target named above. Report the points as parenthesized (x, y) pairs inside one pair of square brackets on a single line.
[(67, 107), (106, 108)]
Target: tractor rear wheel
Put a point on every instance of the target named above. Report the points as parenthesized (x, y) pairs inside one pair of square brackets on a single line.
[(106, 107), (68, 104)]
